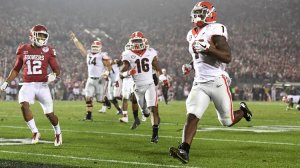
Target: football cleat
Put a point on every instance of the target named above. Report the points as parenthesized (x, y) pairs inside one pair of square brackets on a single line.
[(179, 154), (144, 118), (135, 124), (124, 119), (146, 113), (58, 139), (103, 109), (154, 139), (35, 137), (245, 109)]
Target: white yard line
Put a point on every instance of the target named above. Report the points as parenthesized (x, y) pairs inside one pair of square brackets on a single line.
[(93, 159), (162, 136)]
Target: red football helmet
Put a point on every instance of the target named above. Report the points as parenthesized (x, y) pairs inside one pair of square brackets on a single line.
[(39, 35), (96, 47), (137, 41), (203, 12)]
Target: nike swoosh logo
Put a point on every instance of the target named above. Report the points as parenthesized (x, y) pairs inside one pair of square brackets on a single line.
[(219, 85), (204, 46)]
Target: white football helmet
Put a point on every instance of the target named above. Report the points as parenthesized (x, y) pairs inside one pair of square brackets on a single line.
[(96, 47)]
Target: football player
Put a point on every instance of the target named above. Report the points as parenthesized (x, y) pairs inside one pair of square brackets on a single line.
[(165, 86), (114, 83), (138, 62), (290, 100), (35, 59), (127, 94), (95, 83), (210, 52)]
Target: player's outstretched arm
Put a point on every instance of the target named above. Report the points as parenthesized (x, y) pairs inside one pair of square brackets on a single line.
[(78, 44), (12, 75), (219, 48)]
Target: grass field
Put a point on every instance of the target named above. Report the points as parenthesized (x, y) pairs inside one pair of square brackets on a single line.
[(271, 139)]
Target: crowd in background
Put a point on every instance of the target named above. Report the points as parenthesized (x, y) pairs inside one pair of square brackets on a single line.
[(263, 36)]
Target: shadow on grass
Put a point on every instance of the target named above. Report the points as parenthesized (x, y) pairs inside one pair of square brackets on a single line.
[(22, 164)]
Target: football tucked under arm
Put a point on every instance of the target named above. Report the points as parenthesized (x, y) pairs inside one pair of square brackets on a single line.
[(200, 45)]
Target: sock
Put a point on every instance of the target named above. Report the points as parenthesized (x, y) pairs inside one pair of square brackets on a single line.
[(89, 115), (31, 125), (155, 129), (56, 129), (125, 114), (185, 146), (135, 114)]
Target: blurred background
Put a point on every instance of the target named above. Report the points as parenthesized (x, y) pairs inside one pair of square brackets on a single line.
[(264, 37)]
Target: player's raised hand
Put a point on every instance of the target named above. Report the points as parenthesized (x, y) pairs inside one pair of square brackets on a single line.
[(4, 86), (72, 35)]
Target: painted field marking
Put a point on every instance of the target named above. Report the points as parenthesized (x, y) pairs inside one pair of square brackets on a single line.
[(164, 136), (93, 159), (257, 129), (6, 141)]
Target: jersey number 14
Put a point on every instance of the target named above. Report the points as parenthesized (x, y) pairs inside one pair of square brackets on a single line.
[(92, 60)]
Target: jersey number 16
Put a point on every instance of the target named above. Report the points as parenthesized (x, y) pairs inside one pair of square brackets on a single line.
[(142, 65)]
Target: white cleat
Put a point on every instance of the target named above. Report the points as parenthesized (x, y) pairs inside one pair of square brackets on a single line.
[(144, 118), (58, 139), (103, 109), (124, 119), (35, 137)]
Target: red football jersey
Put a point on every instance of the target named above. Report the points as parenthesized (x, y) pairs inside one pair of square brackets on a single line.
[(35, 61)]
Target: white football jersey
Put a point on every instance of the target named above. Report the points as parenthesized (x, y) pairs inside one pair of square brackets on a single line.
[(295, 98), (206, 67), (142, 65), (95, 64), (114, 73)]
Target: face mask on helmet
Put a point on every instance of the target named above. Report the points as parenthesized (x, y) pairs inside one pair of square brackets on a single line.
[(203, 12), (137, 41), (128, 46), (96, 47), (39, 35)]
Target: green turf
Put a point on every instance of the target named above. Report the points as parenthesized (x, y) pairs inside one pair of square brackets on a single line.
[(107, 143)]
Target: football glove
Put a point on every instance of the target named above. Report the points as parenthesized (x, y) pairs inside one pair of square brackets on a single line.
[(200, 45), (186, 69), (4, 86), (51, 77)]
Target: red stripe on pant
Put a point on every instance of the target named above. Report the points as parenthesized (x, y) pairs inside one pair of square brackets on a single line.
[(229, 94)]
